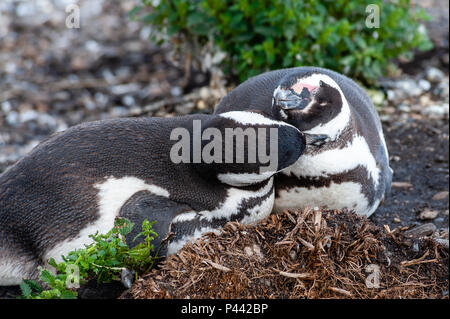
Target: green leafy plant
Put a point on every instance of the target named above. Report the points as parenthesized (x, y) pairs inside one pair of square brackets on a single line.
[(104, 259), (248, 37)]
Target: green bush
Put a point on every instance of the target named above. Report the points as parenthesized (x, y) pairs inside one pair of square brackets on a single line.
[(262, 35)]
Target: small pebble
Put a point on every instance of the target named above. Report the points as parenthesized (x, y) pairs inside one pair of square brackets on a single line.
[(404, 108), (204, 93), (201, 105), (424, 100), (408, 87), (128, 100), (434, 74), (424, 84), (436, 111), (391, 96), (13, 118), (176, 91), (293, 255), (6, 107), (185, 108), (421, 230), (401, 185), (440, 195), (389, 110), (377, 97), (428, 214)]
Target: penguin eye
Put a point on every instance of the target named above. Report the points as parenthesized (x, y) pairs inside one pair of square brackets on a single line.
[(323, 102)]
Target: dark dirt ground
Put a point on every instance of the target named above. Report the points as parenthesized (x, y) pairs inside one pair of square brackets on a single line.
[(419, 156)]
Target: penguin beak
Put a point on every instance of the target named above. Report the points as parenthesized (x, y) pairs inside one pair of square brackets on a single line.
[(289, 100)]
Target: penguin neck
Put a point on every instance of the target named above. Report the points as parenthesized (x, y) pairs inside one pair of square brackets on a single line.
[(334, 127)]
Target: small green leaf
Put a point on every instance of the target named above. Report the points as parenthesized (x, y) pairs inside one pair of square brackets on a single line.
[(47, 277), (34, 285), (68, 294), (25, 289)]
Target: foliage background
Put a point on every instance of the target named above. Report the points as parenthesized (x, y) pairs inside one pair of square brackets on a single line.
[(250, 37)]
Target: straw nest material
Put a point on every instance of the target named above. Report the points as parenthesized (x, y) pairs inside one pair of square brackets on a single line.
[(304, 254)]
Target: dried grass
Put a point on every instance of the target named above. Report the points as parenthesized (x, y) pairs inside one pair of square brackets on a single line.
[(305, 254)]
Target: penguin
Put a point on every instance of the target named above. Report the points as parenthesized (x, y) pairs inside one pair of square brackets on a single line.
[(77, 182), (346, 162)]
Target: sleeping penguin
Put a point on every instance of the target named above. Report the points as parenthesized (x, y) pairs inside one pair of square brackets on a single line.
[(77, 182), (346, 164)]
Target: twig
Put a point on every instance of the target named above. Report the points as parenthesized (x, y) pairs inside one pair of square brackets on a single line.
[(407, 263), (215, 265), (305, 275), (284, 242), (306, 244), (341, 291), (107, 267)]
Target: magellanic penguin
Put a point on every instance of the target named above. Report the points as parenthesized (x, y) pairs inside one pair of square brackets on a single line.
[(77, 182), (350, 169)]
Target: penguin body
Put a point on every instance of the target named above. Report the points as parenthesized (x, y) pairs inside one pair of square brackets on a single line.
[(351, 167), (78, 181)]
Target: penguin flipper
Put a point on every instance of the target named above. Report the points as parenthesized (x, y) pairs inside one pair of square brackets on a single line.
[(145, 205)]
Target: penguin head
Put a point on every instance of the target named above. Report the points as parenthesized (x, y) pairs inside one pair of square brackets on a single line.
[(308, 101), (254, 147)]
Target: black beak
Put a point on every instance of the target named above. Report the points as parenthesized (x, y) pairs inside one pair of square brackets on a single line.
[(289, 100)]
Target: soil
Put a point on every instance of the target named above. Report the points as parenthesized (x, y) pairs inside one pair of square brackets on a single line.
[(419, 156)]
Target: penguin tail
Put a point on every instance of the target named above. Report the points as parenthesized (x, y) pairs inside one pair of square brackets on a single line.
[(16, 263)]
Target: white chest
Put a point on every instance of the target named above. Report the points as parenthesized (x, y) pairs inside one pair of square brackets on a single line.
[(335, 196), (336, 161)]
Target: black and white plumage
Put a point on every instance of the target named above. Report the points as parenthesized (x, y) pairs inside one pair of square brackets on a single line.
[(351, 169), (77, 182)]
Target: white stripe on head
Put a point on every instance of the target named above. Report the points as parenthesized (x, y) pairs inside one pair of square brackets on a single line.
[(112, 195), (334, 127), (251, 118), (243, 179)]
